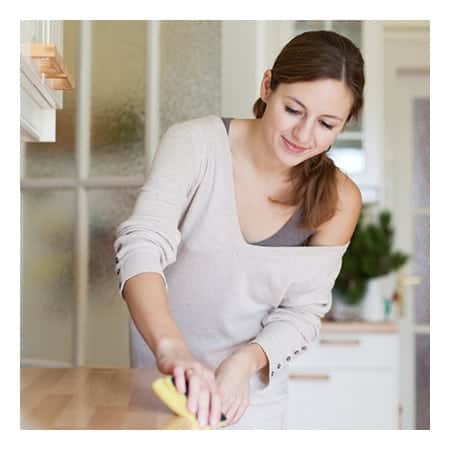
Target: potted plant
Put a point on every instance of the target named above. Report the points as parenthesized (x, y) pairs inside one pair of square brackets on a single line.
[(368, 260)]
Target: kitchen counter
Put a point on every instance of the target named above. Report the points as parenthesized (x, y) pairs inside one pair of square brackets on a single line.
[(117, 398), (93, 398)]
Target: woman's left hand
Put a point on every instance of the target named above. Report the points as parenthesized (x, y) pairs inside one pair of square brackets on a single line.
[(233, 382)]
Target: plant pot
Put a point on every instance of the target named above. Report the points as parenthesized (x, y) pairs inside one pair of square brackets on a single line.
[(343, 311), (378, 289)]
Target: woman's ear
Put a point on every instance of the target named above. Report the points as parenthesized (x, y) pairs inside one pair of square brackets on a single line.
[(265, 90)]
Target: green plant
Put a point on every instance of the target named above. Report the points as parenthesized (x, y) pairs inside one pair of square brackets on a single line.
[(369, 255), (127, 126)]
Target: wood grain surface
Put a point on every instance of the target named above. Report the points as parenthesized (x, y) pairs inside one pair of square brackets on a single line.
[(93, 398)]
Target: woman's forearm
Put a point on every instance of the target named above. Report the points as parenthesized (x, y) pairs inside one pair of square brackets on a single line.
[(146, 298)]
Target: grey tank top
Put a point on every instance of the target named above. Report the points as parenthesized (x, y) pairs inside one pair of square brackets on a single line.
[(289, 235)]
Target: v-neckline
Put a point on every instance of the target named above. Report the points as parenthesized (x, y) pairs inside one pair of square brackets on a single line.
[(234, 198), (275, 250)]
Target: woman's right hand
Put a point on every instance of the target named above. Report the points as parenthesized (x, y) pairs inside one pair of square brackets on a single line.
[(203, 396)]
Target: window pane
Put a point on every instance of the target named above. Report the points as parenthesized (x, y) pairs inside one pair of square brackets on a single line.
[(107, 327), (191, 54), (47, 280), (57, 159), (118, 97)]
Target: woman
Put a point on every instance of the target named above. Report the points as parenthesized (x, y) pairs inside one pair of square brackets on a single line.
[(222, 300)]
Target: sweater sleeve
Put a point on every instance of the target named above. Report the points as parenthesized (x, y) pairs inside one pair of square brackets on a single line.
[(148, 240), (289, 329)]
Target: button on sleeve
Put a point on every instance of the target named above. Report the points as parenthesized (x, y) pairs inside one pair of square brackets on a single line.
[(288, 330)]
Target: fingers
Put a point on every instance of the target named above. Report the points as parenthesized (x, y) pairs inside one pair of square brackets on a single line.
[(203, 407), (180, 381), (198, 383), (235, 410), (203, 396), (194, 391), (240, 412), (216, 409), (231, 411)]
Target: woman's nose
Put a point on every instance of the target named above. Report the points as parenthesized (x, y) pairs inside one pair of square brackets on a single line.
[(303, 133)]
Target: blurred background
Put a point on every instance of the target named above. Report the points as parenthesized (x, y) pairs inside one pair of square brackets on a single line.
[(87, 149)]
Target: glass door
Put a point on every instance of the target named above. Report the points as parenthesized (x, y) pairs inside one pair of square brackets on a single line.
[(129, 76)]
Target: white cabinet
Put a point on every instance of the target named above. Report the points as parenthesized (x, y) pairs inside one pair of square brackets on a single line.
[(41, 94), (346, 381)]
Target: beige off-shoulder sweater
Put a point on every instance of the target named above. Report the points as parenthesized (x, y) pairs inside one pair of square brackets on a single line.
[(222, 291)]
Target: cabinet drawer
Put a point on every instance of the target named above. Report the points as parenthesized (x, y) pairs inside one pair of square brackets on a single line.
[(335, 350), (345, 399)]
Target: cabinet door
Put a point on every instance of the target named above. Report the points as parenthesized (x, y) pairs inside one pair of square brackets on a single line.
[(342, 399), (38, 101)]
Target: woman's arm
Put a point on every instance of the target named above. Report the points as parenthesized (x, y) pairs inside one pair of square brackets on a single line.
[(146, 244), (339, 229), (289, 329), (146, 298)]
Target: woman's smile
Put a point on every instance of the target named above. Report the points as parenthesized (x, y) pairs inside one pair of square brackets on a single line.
[(292, 147)]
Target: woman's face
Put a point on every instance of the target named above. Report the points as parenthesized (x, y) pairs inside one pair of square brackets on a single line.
[(303, 119)]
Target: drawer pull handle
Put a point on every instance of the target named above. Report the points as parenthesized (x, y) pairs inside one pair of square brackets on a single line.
[(346, 342), (309, 377)]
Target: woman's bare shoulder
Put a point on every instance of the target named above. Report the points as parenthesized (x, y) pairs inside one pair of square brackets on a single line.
[(349, 193), (339, 229)]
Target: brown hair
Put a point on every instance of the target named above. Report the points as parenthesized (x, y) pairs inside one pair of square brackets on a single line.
[(310, 56)]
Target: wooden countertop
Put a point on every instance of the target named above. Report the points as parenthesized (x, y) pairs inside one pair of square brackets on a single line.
[(117, 398), (359, 327), (88, 398)]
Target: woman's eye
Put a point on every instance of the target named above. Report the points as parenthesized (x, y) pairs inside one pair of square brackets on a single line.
[(291, 111), (295, 112), (330, 127)]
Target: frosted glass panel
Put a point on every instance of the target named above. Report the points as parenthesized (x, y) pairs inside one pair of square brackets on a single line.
[(421, 267), (190, 70), (107, 326), (421, 158), (423, 382), (47, 275), (118, 97), (57, 159)]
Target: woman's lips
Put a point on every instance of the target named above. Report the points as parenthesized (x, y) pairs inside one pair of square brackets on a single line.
[(292, 147)]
